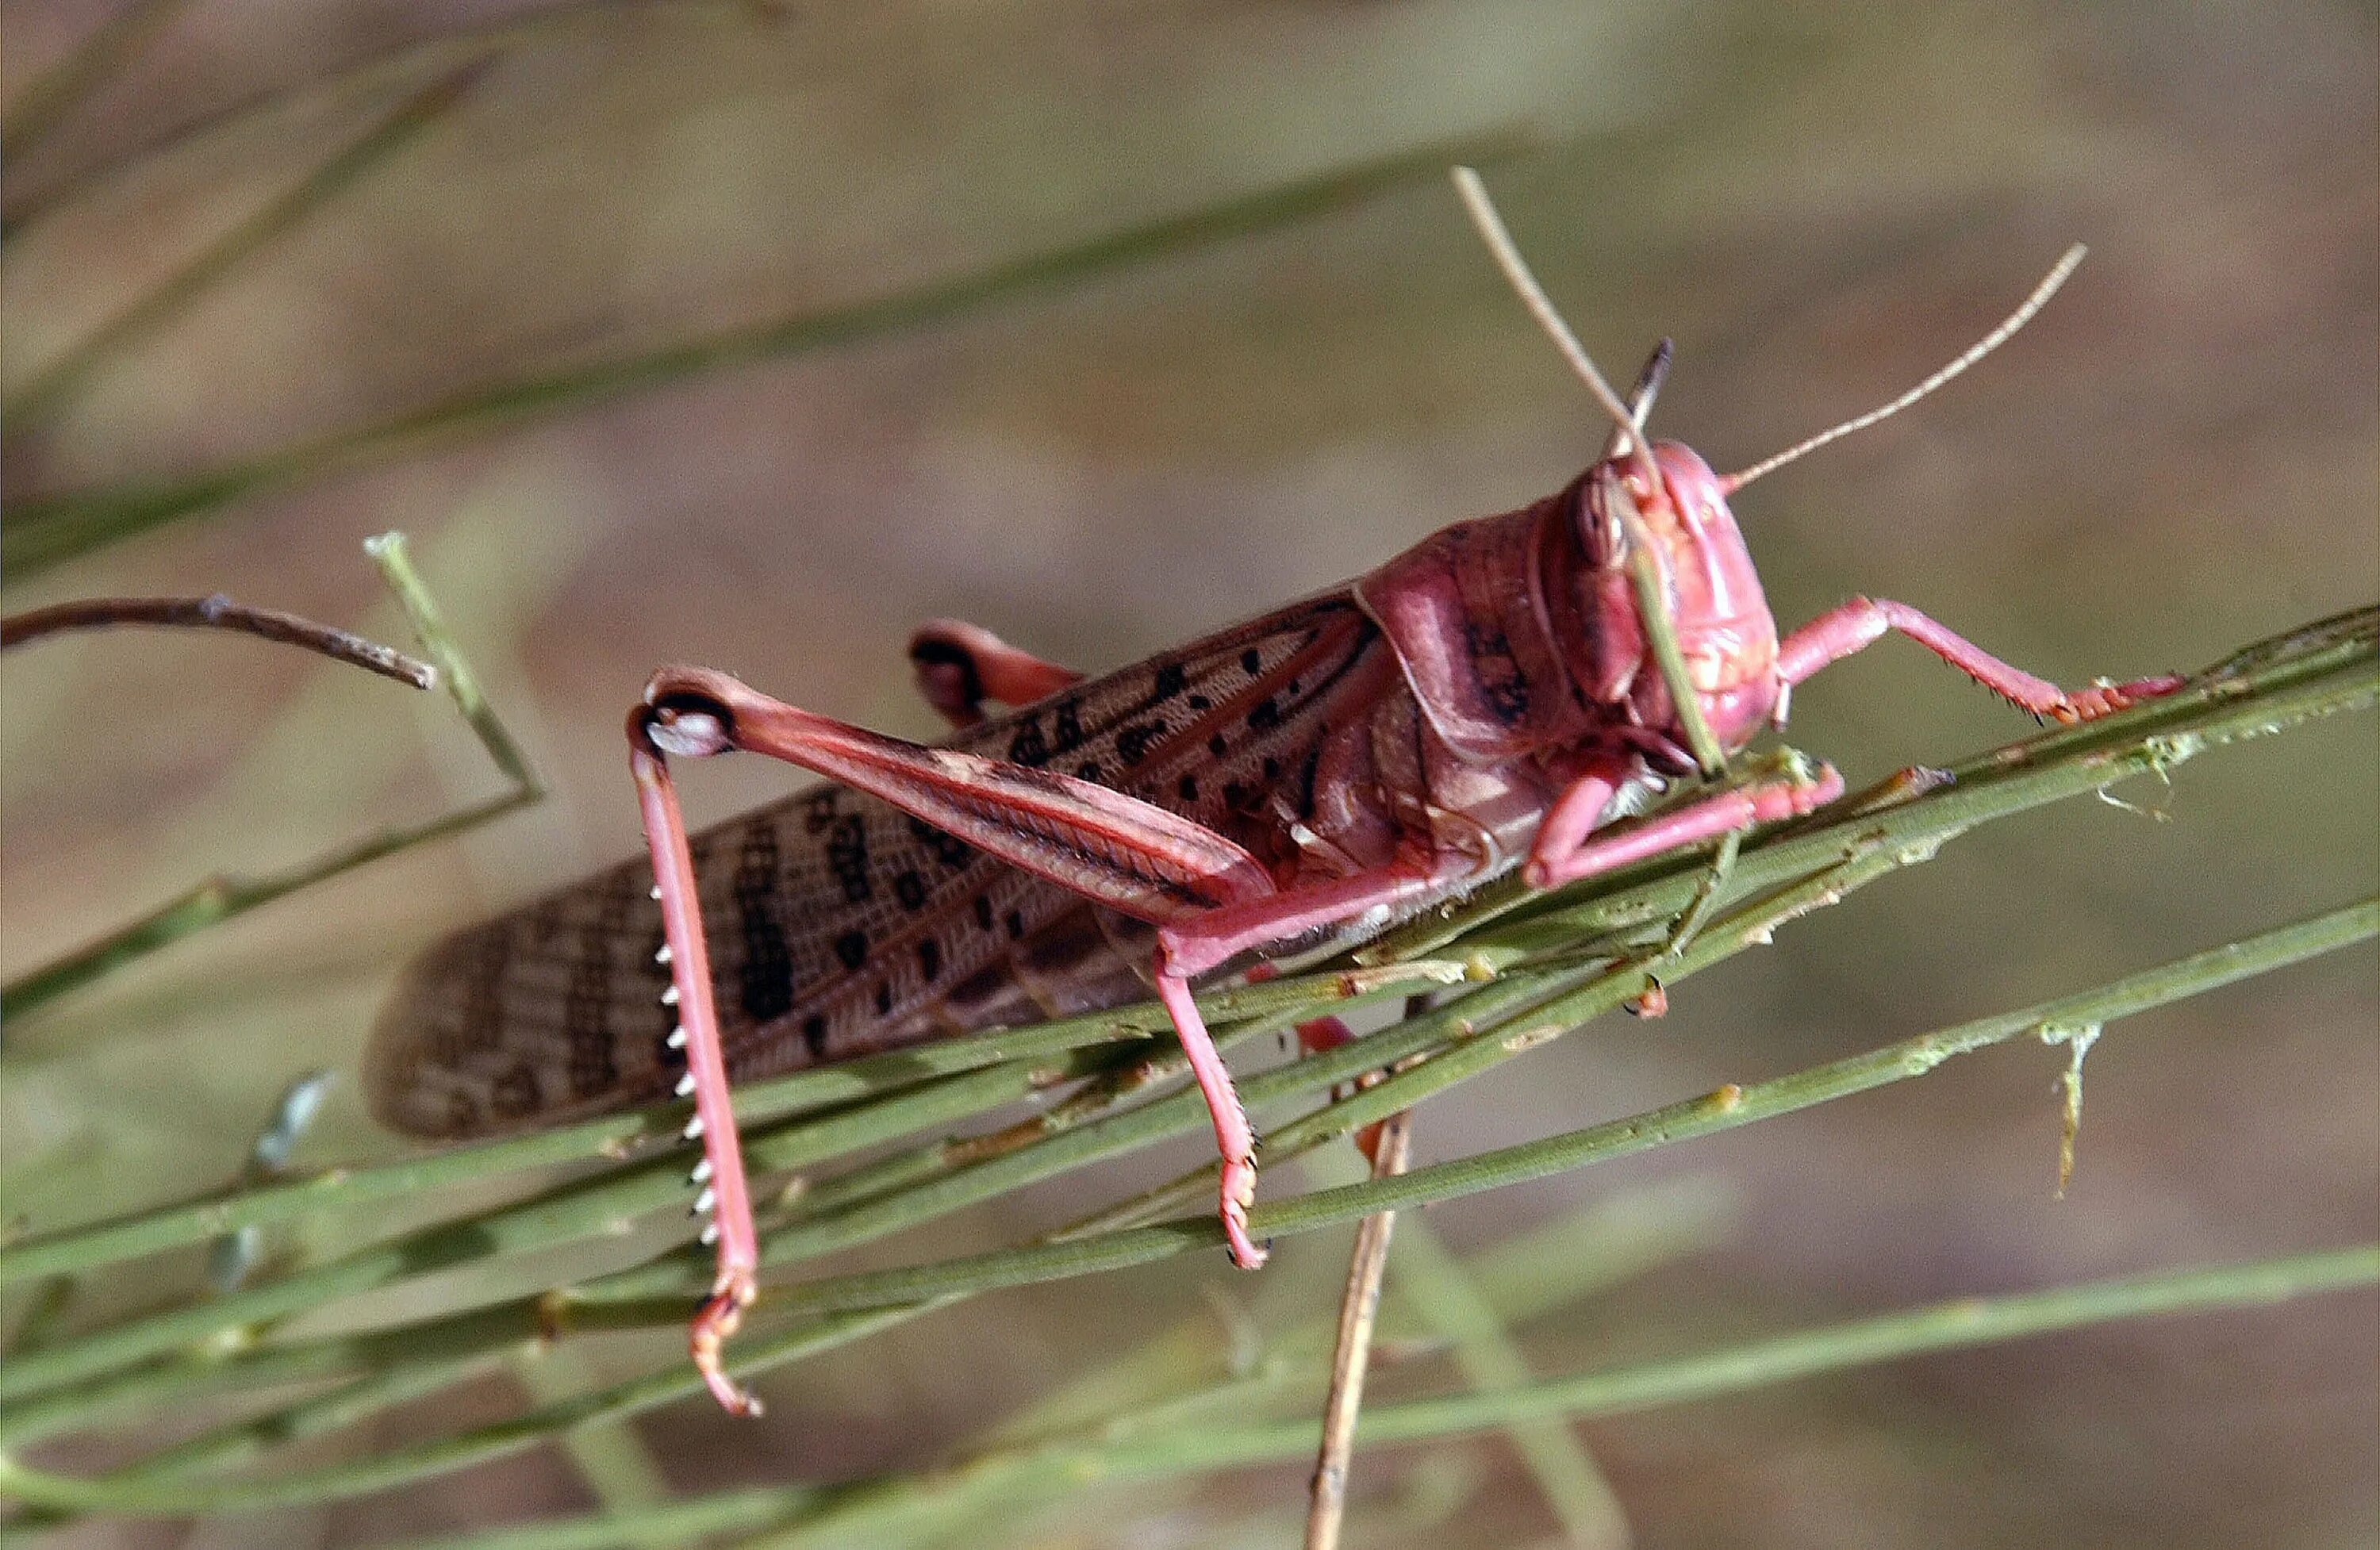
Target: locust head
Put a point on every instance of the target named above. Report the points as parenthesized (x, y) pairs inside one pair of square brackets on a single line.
[(1650, 542), (1655, 527)]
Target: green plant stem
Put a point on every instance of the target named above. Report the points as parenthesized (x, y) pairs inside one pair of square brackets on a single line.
[(456, 1343), (1961, 1322), (830, 1310), (49, 385), (581, 1210), (1966, 1321), (1043, 1047), (1177, 1113), (905, 1292), (390, 553), (46, 531), (1727, 1108)]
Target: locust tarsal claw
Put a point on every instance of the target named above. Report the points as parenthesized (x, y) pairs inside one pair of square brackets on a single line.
[(2104, 699), (718, 1320), (1239, 1193)]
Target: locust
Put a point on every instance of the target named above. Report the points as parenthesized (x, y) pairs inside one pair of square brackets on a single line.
[(1486, 700)]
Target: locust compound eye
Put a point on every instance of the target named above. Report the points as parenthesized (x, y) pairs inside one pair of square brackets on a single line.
[(1602, 528)]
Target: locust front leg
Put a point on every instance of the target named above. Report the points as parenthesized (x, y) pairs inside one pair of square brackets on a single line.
[(1570, 846), (1862, 622)]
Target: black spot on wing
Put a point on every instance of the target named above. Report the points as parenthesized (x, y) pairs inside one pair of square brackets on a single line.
[(514, 1094), (767, 973), (847, 858), (948, 849), (851, 947), (1132, 744)]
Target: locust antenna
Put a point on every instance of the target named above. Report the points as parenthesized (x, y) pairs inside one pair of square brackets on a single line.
[(1533, 295), (1982, 347), (1640, 398)]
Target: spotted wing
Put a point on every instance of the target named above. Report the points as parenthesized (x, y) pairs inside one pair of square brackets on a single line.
[(839, 926)]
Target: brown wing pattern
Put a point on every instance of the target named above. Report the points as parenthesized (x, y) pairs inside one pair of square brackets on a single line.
[(839, 926)]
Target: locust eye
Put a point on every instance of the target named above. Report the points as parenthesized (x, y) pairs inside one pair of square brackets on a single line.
[(1606, 500)]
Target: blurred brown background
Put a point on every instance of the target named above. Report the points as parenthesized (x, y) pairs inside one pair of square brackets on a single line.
[(1820, 203)]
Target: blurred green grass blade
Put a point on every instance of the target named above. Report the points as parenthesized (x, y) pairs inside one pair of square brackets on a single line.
[(43, 103), (1963, 1322), (40, 533), (64, 375), (376, 74), (1443, 1292)]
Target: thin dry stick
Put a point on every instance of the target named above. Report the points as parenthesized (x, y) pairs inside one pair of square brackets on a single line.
[(1391, 1149), (216, 612), (220, 897)]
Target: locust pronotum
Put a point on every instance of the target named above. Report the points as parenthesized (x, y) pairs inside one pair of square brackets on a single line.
[(1484, 700)]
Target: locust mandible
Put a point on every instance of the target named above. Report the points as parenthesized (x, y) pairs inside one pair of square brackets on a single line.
[(1485, 701)]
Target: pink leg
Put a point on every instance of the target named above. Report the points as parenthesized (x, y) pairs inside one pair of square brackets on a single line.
[(1856, 624), (721, 1173), (1572, 817), (1763, 802), (1109, 847), (961, 665), (1186, 949)]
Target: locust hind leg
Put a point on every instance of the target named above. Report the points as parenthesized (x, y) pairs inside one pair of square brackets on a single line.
[(1104, 845), (960, 666)]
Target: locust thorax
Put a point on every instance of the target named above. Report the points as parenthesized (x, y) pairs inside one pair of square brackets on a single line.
[(1677, 512), (1520, 633)]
